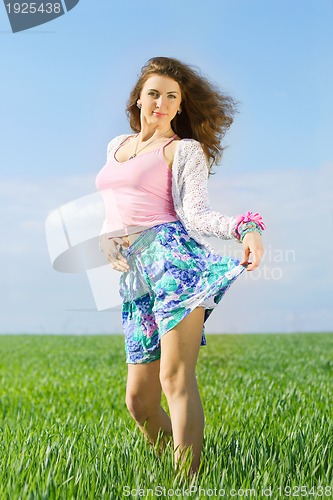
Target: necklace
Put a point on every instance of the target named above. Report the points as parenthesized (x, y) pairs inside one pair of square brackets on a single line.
[(148, 143)]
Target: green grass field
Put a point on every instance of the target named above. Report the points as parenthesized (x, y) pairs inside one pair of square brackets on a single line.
[(65, 431)]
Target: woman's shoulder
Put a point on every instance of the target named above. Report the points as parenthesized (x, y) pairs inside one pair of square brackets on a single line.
[(179, 143), (188, 141), (115, 142), (190, 158), (118, 139), (187, 147)]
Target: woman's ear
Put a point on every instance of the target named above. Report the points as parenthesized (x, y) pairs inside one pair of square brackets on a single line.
[(138, 103)]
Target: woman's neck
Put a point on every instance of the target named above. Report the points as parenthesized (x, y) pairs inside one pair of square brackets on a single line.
[(146, 133)]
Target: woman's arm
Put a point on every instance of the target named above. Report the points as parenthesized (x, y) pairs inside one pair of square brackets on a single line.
[(195, 198), (196, 204)]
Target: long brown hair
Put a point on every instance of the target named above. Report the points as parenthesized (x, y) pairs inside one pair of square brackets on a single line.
[(206, 114)]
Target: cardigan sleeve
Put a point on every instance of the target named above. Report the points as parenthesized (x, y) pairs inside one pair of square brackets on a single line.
[(195, 198)]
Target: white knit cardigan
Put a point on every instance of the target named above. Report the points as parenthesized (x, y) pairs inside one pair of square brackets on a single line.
[(190, 193)]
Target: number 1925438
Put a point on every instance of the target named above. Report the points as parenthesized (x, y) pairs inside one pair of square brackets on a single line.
[(33, 7)]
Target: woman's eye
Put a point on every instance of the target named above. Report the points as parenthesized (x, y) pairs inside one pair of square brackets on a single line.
[(152, 93), (172, 96)]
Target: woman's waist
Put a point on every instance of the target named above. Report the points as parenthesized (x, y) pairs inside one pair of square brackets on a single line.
[(131, 229), (128, 239)]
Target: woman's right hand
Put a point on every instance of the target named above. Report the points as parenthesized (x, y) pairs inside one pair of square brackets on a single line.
[(110, 247)]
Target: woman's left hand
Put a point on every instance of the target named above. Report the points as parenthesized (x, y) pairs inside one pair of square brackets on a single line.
[(252, 244)]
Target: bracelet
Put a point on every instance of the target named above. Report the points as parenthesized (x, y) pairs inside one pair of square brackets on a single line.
[(247, 227), (247, 221)]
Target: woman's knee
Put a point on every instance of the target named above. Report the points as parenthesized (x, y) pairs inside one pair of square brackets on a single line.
[(142, 405), (176, 382), (143, 390), (136, 406)]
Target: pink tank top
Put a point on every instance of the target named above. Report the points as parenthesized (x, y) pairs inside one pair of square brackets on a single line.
[(137, 193)]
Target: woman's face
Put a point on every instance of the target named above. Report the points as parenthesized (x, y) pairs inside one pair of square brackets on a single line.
[(160, 100)]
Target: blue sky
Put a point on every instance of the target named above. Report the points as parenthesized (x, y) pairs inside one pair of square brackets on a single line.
[(64, 86)]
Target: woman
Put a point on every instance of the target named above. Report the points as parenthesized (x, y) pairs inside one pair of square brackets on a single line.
[(172, 279)]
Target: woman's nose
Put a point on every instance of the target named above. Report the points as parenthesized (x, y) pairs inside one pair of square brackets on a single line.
[(160, 102)]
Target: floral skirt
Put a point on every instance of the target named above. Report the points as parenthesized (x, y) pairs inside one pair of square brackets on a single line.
[(170, 275)]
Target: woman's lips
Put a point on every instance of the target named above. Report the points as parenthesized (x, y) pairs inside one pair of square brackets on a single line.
[(159, 114)]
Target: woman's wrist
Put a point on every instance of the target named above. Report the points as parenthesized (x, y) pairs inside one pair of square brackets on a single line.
[(248, 227)]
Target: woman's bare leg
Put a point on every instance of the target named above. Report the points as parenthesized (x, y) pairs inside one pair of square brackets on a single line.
[(179, 353), (143, 400)]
